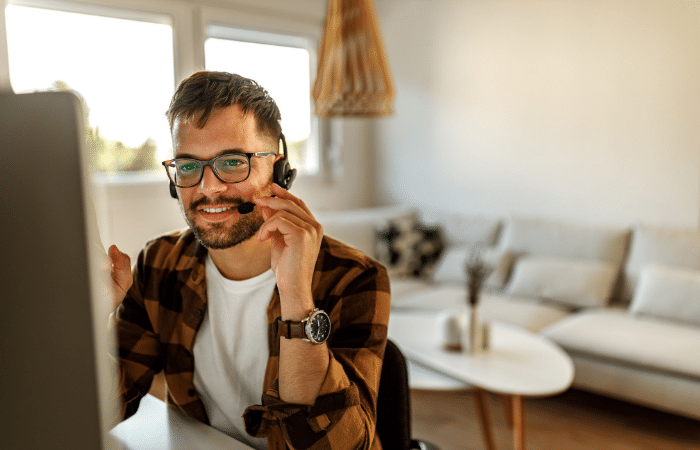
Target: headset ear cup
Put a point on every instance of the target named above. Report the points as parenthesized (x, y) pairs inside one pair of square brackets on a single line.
[(281, 172), (291, 175), (173, 191)]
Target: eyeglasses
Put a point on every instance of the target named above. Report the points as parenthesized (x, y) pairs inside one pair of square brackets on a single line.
[(229, 168)]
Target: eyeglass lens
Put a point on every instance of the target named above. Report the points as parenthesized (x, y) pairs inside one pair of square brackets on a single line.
[(188, 172)]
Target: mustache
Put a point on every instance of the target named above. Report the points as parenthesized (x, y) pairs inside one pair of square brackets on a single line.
[(218, 201)]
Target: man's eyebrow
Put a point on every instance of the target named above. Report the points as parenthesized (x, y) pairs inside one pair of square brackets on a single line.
[(223, 152)]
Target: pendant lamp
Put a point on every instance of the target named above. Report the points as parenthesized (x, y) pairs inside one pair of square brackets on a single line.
[(352, 78)]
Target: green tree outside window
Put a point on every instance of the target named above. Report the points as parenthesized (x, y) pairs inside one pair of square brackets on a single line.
[(109, 156)]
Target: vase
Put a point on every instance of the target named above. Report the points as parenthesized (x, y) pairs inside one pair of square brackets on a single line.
[(450, 330), (474, 344)]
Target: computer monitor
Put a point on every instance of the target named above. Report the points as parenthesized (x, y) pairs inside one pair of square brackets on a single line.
[(56, 387)]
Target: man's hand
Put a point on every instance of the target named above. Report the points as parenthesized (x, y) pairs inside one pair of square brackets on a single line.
[(121, 274), (295, 242), (295, 238)]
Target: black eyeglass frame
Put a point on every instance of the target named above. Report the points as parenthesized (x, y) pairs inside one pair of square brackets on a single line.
[(210, 163)]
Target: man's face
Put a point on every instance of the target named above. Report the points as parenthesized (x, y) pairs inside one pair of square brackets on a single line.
[(210, 207)]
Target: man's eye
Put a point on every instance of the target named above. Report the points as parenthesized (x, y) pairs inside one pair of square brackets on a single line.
[(188, 167), (232, 162)]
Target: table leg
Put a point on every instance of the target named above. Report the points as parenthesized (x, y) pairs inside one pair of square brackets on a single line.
[(481, 398), (518, 422), (508, 409)]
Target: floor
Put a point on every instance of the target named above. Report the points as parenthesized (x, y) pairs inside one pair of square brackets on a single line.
[(574, 420)]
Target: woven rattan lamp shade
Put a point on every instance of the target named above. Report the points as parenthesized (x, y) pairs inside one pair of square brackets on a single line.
[(353, 76)]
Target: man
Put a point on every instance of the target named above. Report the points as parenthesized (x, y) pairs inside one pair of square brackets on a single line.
[(204, 303)]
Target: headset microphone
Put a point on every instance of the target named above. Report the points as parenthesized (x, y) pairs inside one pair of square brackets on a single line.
[(246, 208)]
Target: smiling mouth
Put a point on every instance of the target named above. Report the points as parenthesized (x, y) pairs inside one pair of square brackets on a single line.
[(216, 210)]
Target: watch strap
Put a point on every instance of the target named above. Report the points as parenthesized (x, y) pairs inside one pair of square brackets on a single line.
[(290, 329)]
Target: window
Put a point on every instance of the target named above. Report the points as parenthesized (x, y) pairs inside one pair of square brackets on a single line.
[(122, 68), (282, 65)]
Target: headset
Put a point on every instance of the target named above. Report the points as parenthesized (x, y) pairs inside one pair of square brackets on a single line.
[(282, 172)]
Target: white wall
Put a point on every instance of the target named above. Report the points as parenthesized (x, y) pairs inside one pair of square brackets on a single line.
[(581, 109)]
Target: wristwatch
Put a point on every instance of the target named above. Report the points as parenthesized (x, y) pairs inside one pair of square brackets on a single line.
[(315, 329)]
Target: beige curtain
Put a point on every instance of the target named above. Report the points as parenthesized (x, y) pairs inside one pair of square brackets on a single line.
[(353, 76)]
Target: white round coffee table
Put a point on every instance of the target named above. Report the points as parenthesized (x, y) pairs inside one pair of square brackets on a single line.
[(520, 363)]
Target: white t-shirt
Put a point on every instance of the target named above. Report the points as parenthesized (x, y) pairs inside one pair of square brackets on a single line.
[(231, 350)]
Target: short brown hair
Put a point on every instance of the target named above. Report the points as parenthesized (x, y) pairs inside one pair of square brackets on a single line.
[(205, 91)]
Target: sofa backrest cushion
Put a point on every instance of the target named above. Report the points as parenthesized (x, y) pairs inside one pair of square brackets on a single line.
[(464, 230), (543, 237), (659, 245), (579, 283), (408, 248), (668, 292), (357, 227), (452, 266)]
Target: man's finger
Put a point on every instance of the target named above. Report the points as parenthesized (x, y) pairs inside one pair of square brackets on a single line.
[(119, 259), (121, 273)]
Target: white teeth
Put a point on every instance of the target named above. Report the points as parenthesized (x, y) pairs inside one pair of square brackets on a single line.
[(215, 210)]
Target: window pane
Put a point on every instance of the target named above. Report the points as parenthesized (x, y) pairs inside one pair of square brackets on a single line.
[(123, 70), (284, 72)]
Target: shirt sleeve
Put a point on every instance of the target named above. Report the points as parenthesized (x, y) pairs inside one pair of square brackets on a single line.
[(344, 414), (138, 346)]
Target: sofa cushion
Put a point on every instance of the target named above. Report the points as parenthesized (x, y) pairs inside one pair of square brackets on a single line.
[(451, 267), (435, 298), (357, 227), (638, 341), (544, 237), (408, 248), (574, 282), (465, 230), (659, 245), (668, 292), (402, 287), (527, 313)]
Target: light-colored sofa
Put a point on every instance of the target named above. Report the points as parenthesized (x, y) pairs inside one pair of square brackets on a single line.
[(624, 302)]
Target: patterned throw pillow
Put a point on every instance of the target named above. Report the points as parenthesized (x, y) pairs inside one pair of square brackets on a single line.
[(408, 248)]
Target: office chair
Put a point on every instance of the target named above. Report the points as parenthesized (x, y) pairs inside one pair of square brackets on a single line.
[(394, 404)]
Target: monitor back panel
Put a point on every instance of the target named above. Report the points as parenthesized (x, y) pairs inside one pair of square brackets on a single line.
[(49, 385)]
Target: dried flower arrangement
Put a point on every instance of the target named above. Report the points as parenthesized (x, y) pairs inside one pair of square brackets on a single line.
[(477, 271)]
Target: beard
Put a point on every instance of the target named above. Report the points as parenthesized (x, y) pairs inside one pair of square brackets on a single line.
[(215, 235)]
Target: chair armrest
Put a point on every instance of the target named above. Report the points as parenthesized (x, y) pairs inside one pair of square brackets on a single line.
[(417, 444)]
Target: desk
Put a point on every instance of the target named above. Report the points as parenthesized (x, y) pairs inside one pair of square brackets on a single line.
[(520, 363), (156, 426)]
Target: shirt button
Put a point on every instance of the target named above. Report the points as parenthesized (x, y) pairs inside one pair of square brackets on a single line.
[(198, 313), (191, 392)]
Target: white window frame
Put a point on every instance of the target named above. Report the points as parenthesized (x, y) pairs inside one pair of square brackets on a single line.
[(269, 29), (127, 10), (4, 56), (152, 12), (179, 12), (189, 23)]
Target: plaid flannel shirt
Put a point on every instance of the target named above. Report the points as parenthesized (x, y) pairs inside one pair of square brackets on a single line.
[(157, 326)]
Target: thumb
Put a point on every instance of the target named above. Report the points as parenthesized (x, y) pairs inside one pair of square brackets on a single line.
[(121, 273), (120, 260)]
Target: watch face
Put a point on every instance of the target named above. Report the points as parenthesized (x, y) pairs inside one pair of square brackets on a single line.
[(319, 327)]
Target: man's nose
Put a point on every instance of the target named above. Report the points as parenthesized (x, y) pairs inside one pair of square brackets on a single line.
[(210, 182)]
